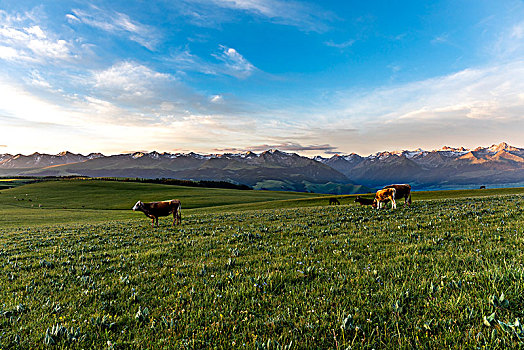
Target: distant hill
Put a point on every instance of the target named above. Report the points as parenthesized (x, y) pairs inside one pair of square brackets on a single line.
[(271, 170), (275, 170), (446, 167)]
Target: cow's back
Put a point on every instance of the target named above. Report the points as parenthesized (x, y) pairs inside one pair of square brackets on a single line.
[(163, 208), (402, 191)]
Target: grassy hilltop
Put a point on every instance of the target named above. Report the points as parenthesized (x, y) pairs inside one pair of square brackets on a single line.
[(258, 270)]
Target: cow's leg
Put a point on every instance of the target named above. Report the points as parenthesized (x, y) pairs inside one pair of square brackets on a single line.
[(152, 221), (176, 215), (393, 204)]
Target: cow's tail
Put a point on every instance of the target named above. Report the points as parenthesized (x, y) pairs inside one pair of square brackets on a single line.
[(179, 212)]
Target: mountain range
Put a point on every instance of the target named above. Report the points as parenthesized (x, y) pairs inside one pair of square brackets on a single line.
[(447, 167), (271, 170), (276, 170)]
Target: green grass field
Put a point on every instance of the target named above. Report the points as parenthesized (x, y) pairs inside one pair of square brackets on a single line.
[(258, 270)]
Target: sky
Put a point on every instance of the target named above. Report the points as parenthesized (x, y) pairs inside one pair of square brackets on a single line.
[(216, 76)]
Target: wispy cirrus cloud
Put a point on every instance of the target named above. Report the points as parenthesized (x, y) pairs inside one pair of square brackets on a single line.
[(235, 64), (302, 15), (116, 23), (228, 61), (342, 45)]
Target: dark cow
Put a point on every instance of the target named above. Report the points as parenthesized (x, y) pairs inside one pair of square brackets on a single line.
[(482, 187), (363, 201), (402, 191), (155, 209), (334, 201), (382, 196)]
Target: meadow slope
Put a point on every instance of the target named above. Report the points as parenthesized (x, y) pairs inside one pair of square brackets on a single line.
[(444, 273)]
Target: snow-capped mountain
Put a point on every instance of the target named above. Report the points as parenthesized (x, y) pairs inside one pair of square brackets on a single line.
[(496, 164), (40, 160), (274, 169), (271, 169)]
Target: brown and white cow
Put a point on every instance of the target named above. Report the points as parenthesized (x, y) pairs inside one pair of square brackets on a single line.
[(363, 201), (154, 210), (402, 191), (383, 196)]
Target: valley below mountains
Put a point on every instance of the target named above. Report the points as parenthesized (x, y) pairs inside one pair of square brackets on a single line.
[(500, 164)]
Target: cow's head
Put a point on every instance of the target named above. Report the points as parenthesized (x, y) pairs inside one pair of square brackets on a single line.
[(375, 203), (137, 206)]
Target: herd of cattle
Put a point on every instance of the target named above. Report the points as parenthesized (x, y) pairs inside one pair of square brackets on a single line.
[(154, 210)]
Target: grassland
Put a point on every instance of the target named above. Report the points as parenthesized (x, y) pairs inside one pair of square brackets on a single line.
[(279, 271)]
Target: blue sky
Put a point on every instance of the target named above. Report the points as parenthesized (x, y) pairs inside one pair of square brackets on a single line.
[(213, 76)]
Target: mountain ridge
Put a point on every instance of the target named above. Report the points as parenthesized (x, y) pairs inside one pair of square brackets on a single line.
[(495, 164), (271, 170), (275, 169)]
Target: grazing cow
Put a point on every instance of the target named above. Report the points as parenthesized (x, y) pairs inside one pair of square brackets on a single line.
[(482, 187), (363, 201), (383, 195), (402, 191), (155, 209), (334, 201)]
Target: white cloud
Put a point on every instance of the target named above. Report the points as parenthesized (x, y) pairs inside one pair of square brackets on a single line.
[(36, 31), (217, 99), (8, 53), (236, 65), (38, 81), (117, 23), (128, 78), (59, 49), (30, 43), (72, 18)]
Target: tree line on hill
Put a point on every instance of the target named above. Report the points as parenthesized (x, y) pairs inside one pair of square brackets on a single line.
[(163, 181), (177, 182)]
